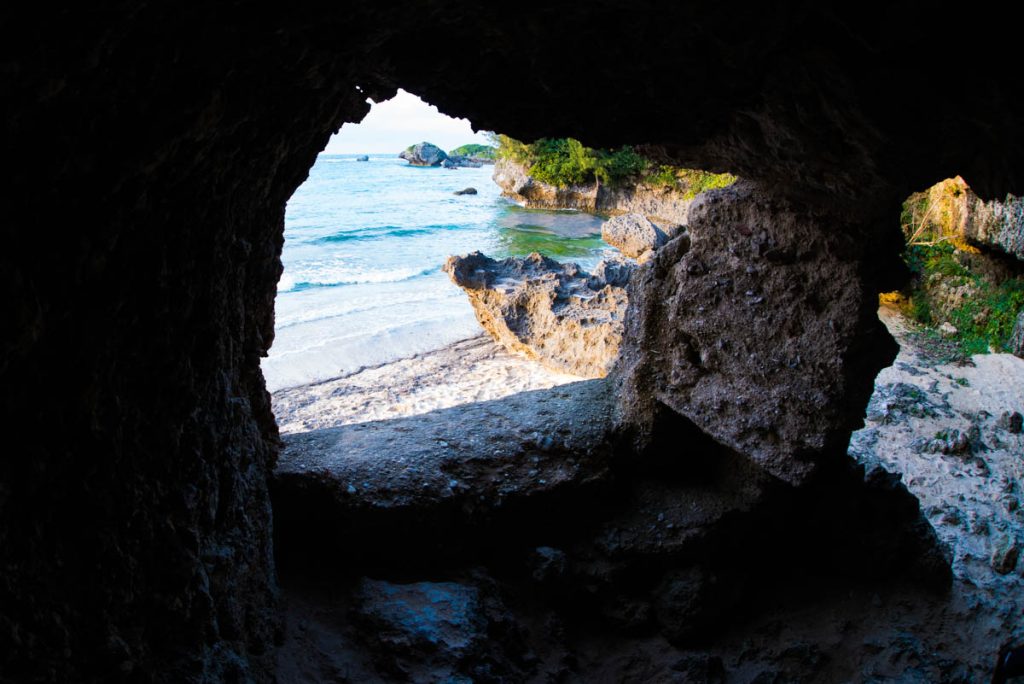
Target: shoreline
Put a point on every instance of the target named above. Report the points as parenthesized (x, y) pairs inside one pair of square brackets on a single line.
[(470, 370)]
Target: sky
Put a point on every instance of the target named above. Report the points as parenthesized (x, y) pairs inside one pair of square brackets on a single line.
[(404, 120)]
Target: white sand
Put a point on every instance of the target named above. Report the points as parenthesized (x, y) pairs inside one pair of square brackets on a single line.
[(972, 498), (472, 370)]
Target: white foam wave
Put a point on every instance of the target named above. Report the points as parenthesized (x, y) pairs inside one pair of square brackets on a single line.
[(328, 276)]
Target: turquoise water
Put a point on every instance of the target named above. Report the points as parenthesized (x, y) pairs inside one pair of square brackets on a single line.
[(364, 245)]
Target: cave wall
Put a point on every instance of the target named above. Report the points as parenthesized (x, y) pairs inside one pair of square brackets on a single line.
[(150, 148)]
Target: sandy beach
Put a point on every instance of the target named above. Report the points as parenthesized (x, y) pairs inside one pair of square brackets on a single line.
[(471, 370)]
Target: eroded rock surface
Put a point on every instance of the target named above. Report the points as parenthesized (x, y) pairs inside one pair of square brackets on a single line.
[(633, 234), (760, 328), (660, 204), (555, 313), (997, 224)]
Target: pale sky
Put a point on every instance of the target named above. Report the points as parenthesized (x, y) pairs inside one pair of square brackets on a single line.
[(403, 120)]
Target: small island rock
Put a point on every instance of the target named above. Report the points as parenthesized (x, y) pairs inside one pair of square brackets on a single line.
[(424, 154), (466, 191)]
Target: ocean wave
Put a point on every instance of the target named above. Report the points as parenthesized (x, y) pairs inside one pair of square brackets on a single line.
[(340, 277), (380, 232)]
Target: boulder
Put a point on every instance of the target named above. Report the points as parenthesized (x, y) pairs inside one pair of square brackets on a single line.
[(363, 158), (554, 313), (632, 234), (1015, 345), (466, 191), (614, 272), (761, 328), (424, 154)]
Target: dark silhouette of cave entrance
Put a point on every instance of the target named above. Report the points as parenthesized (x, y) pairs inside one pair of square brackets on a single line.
[(150, 155)]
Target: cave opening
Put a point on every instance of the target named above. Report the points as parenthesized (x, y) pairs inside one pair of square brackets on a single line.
[(714, 537), (368, 325)]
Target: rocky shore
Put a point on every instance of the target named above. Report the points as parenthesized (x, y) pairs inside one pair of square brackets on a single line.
[(663, 205)]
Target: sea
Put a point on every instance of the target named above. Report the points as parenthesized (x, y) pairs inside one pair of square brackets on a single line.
[(364, 245)]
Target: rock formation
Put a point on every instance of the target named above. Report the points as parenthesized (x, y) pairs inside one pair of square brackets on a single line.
[(995, 224), (555, 313), (760, 329), (660, 204), (634, 235), (466, 191), (424, 154), (428, 154), (362, 158)]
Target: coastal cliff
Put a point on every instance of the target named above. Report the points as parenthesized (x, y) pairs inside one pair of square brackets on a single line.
[(664, 204)]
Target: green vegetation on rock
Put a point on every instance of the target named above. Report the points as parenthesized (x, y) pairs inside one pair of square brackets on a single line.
[(475, 151), (565, 161), (953, 281)]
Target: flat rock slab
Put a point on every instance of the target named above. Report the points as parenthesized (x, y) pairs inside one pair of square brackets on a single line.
[(451, 468)]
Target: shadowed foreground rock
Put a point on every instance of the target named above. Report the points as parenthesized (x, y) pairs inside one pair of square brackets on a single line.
[(555, 313), (761, 329)]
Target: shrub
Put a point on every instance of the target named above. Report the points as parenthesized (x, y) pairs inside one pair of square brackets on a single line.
[(566, 161), (474, 150)]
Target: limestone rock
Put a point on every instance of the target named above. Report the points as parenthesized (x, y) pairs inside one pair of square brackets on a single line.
[(466, 191), (615, 272), (424, 154), (764, 332), (663, 205), (555, 313), (632, 234), (1016, 342), (997, 224)]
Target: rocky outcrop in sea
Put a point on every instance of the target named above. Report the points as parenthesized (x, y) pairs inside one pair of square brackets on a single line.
[(423, 154), (429, 154)]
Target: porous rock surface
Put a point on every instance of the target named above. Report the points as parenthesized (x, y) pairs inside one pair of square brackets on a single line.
[(632, 234), (997, 224), (760, 328), (662, 204), (555, 313)]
